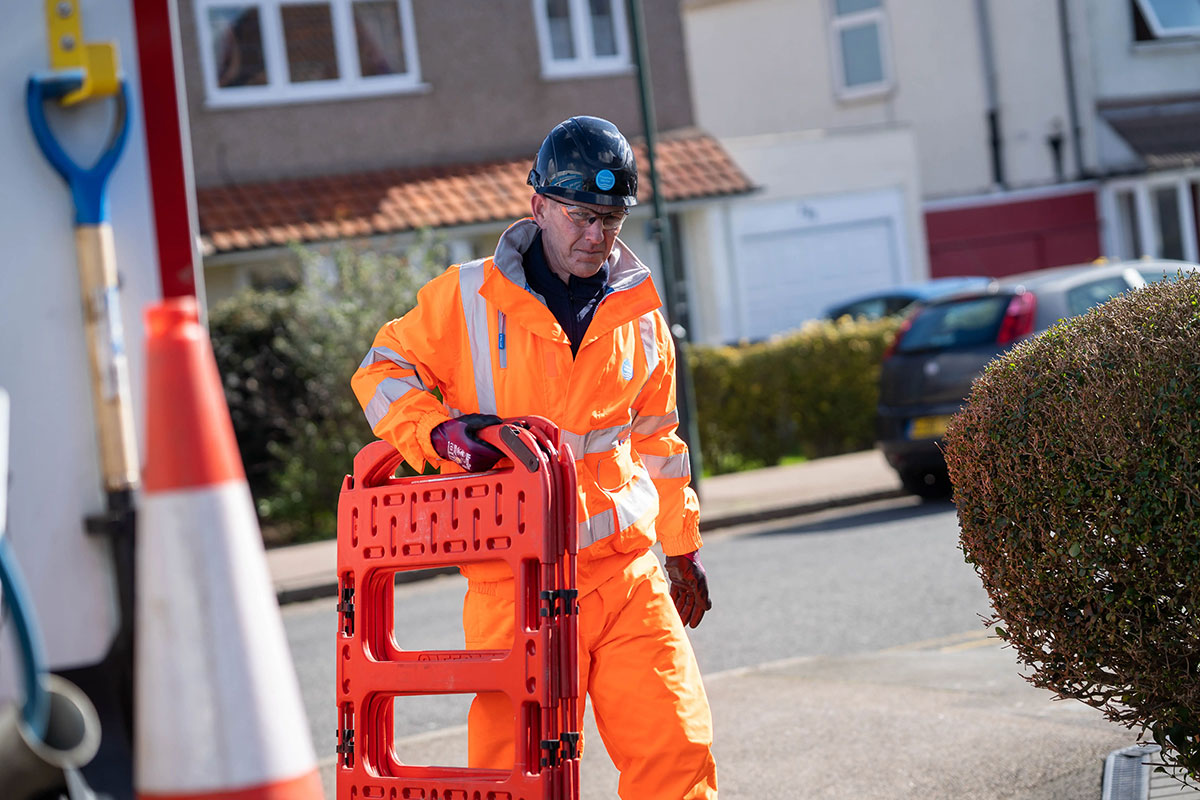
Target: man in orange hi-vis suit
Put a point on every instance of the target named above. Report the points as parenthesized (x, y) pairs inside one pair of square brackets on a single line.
[(563, 322)]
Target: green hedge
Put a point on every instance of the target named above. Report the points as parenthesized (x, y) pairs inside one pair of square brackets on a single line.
[(286, 358), (811, 393), (1076, 472)]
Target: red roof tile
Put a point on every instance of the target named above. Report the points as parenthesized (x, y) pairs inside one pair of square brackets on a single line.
[(691, 165)]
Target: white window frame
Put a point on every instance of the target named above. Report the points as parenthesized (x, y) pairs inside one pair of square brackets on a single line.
[(279, 89), (1147, 213), (585, 63), (1159, 30), (838, 22)]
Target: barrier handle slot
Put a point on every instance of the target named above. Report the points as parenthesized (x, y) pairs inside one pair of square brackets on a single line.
[(520, 451)]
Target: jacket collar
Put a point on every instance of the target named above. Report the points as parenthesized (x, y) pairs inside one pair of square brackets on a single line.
[(631, 291)]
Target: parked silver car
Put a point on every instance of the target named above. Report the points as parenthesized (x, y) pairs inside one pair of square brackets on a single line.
[(927, 373)]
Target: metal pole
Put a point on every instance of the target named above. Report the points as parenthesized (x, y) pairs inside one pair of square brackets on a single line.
[(676, 300), (1064, 19), (993, 93)]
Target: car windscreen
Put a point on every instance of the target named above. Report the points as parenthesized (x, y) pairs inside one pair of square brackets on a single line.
[(958, 324), (873, 308), (1155, 274), (1093, 293)]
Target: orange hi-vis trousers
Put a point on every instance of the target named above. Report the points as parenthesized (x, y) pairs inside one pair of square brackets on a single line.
[(637, 666)]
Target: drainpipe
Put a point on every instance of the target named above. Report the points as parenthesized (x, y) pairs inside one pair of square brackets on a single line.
[(993, 103), (1064, 26)]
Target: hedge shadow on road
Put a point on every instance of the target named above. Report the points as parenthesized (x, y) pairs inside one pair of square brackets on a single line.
[(859, 519)]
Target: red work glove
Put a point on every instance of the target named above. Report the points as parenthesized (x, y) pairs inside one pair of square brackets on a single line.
[(689, 587), (455, 441)]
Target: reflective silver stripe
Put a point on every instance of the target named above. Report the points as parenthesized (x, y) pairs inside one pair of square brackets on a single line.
[(676, 466), (644, 426), (387, 392), (378, 354), (470, 279), (593, 529), (636, 500), (600, 441), (649, 341), (577, 441)]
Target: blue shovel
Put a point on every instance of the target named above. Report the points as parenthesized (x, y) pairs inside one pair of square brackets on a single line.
[(98, 281)]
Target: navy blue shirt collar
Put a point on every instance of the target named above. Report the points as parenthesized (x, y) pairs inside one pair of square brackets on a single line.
[(574, 302)]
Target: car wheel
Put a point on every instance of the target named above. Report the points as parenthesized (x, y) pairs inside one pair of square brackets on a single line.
[(927, 484)]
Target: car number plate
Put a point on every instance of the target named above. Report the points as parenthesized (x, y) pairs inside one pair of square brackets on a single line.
[(928, 427)]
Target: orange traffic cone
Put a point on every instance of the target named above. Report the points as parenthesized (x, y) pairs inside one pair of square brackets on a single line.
[(218, 704)]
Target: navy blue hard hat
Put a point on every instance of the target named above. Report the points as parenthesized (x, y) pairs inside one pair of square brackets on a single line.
[(587, 160)]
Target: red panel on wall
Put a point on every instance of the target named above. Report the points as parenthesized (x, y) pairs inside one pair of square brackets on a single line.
[(1003, 238)]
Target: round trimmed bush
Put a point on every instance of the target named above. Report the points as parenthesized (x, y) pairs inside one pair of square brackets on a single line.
[(1076, 471)]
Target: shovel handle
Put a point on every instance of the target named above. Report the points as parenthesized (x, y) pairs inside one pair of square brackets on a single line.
[(89, 186), (98, 282), (108, 360)]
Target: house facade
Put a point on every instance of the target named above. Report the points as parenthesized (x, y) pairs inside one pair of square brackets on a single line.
[(1137, 66), (333, 120), (959, 113)]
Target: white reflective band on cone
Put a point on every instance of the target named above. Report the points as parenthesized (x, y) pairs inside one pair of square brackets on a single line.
[(219, 706)]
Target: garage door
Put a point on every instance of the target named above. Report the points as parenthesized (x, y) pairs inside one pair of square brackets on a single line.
[(797, 258)]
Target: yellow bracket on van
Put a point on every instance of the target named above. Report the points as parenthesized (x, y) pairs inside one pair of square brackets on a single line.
[(69, 53)]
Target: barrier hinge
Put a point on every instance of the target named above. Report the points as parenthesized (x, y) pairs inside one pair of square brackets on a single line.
[(552, 596), (551, 747), (345, 746), (570, 745), (569, 596), (345, 607)]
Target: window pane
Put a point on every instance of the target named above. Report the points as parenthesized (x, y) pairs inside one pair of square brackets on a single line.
[(1176, 13), (1130, 244), (237, 46), (964, 323), (1170, 232), (842, 7), (377, 31), (308, 31), (558, 15), (862, 61), (604, 32)]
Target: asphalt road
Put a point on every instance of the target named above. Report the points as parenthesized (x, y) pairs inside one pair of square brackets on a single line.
[(880, 593)]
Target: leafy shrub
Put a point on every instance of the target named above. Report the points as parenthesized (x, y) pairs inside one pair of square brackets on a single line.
[(286, 358), (811, 393), (1076, 469)]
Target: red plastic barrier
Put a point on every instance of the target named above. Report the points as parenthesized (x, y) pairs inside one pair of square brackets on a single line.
[(522, 514)]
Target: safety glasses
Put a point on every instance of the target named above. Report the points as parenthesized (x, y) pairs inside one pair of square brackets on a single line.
[(584, 217)]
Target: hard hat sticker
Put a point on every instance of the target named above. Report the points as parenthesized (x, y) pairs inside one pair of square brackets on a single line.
[(605, 180)]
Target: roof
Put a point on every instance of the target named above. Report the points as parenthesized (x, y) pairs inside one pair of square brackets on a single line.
[(691, 165), (1166, 134)]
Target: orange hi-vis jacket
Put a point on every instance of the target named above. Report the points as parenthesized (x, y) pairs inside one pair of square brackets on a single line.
[(488, 344)]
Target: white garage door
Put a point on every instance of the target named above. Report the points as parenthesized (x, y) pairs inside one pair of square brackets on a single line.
[(795, 258)]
